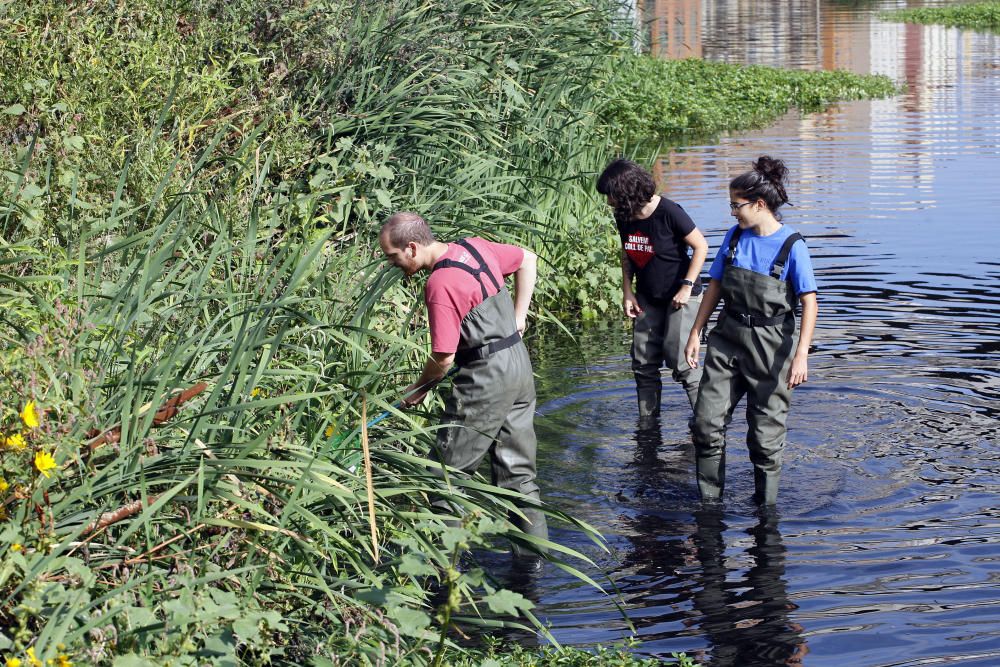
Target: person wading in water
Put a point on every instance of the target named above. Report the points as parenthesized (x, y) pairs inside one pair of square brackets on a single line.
[(761, 271), (656, 234), (476, 324)]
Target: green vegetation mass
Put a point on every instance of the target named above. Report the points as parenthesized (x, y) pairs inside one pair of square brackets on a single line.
[(652, 98), (196, 322), (974, 16)]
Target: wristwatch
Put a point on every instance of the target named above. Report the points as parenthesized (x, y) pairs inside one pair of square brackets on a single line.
[(689, 283)]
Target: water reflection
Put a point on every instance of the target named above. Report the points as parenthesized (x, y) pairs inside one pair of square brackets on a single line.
[(745, 619), (886, 552)]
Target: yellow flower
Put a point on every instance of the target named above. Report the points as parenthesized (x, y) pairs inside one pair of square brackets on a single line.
[(13, 662), (256, 392), (63, 661), (32, 660), (29, 416), (16, 546), (44, 462), (15, 441), (329, 431), (3, 485)]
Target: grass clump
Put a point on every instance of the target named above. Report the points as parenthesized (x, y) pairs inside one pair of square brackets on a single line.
[(973, 16), (516, 655), (652, 99)]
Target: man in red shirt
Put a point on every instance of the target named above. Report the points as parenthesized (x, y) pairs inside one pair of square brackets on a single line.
[(476, 324)]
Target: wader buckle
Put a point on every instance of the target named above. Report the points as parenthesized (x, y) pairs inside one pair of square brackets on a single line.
[(751, 321)]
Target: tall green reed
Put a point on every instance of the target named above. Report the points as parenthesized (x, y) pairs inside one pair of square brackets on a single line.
[(237, 529)]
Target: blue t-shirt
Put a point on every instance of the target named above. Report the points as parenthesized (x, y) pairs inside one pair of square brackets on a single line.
[(757, 253)]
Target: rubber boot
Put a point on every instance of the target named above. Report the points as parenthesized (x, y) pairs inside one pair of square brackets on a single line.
[(649, 406), (536, 526), (765, 484), (711, 476)]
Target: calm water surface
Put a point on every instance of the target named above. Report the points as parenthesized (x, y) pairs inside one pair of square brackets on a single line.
[(885, 547)]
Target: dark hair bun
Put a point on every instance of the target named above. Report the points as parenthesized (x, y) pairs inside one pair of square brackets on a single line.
[(772, 169)]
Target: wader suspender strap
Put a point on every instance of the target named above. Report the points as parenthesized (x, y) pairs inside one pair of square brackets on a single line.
[(463, 357), (777, 267), (475, 273), (733, 240), (786, 249)]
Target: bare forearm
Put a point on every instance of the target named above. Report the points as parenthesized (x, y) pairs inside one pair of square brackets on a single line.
[(626, 274), (524, 284), (810, 309), (435, 368), (699, 251), (709, 300)]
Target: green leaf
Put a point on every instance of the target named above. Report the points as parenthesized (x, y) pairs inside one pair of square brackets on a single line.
[(411, 622), (415, 566), (15, 110), (133, 660), (384, 198), (508, 602)]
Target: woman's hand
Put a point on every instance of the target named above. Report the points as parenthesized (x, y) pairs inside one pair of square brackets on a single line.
[(799, 372), (631, 306), (691, 349), (682, 297)]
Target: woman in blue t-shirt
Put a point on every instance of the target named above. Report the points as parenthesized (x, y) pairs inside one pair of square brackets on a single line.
[(657, 236), (760, 273)]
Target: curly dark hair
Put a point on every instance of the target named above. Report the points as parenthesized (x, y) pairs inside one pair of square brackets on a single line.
[(765, 181), (629, 186)]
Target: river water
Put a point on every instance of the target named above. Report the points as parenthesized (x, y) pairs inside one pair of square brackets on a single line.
[(885, 549)]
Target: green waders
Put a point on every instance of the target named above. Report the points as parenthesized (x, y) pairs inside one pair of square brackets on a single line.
[(749, 352), (659, 336), (492, 406)]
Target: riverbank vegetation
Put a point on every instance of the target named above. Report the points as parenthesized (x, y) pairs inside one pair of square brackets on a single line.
[(656, 99), (197, 327), (973, 16)]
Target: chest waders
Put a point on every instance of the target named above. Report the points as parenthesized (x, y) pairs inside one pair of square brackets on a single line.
[(659, 335), (491, 409), (749, 353)]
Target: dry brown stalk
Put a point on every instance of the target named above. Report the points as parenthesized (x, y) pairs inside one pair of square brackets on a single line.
[(123, 512), (169, 409), (370, 486)]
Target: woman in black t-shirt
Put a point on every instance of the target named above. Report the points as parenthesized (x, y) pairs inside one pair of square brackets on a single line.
[(656, 234)]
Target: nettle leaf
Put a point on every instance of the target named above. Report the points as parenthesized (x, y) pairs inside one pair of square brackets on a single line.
[(133, 660), (384, 198), (139, 617), (248, 628), (508, 602), (411, 622), (453, 537), (31, 191), (415, 566)]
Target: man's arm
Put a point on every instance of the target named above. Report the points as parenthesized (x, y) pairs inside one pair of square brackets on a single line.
[(435, 369), (524, 287)]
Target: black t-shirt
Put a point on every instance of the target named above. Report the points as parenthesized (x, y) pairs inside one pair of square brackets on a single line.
[(655, 246)]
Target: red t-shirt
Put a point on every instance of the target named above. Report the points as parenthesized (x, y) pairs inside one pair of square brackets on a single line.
[(451, 293)]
